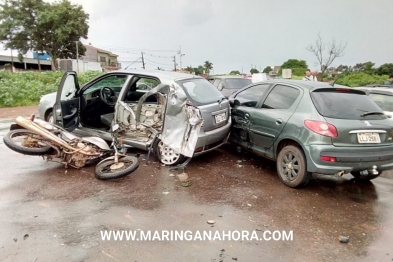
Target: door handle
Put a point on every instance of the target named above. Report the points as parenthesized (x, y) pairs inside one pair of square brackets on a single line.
[(246, 116), (279, 121)]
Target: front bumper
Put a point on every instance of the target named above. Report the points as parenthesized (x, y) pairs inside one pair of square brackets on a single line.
[(210, 140), (348, 158)]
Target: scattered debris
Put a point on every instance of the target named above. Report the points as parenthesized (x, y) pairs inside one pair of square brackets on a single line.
[(211, 222), (343, 239), (171, 175), (238, 161), (186, 183), (15, 239), (255, 197), (35, 216), (182, 177), (239, 166), (249, 205), (25, 236), (165, 193), (220, 216), (234, 258)]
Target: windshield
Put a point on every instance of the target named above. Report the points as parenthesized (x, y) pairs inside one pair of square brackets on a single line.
[(345, 105), (383, 101), (237, 83), (200, 91)]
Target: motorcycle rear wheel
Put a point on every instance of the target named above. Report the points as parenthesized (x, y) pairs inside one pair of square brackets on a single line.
[(107, 169), (29, 143)]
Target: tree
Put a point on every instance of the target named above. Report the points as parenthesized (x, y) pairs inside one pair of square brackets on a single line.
[(254, 71), (267, 70), (334, 50), (234, 72), (199, 70), (385, 69), (208, 66), (189, 69), (294, 63), (43, 27)]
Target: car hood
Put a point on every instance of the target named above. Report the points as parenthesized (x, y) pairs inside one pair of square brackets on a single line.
[(49, 97)]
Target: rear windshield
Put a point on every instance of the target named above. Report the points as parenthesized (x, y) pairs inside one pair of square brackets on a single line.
[(383, 101), (200, 91), (237, 83), (345, 105)]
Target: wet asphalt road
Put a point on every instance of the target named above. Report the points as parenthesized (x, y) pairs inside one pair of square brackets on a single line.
[(47, 214)]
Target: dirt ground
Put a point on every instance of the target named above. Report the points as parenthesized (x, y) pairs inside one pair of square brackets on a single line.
[(12, 112)]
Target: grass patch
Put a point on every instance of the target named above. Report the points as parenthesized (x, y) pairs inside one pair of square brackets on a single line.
[(26, 88)]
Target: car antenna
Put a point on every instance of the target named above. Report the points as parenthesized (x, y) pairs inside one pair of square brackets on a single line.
[(338, 77)]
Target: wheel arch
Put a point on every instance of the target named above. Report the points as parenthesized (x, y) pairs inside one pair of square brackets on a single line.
[(48, 110), (286, 142)]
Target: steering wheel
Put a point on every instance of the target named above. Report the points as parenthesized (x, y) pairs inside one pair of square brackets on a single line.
[(108, 96)]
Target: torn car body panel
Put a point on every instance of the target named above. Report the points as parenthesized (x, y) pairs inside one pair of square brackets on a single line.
[(174, 122)]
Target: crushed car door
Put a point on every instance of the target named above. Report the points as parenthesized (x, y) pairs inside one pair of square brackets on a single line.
[(244, 107), (66, 108)]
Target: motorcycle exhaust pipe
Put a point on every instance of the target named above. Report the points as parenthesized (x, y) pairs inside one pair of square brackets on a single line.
[(30, 125)]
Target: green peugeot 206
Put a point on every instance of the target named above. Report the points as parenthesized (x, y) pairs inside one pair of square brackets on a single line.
[(312, 127)]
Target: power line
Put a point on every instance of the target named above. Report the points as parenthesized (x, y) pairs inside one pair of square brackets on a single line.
[(157, 62)]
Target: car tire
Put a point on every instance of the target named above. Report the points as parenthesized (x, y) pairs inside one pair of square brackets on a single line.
[(49, 117), (292, 167), (166, 155), (38, 150), (365, 178)]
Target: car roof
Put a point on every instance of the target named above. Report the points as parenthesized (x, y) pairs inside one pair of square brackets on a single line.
[(228, 76), (164, 76), (307, 85)]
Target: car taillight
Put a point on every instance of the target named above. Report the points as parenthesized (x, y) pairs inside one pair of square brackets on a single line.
[(322, 128)]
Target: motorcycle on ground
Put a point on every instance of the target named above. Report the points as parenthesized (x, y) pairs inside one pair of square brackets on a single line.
[(36, 137)]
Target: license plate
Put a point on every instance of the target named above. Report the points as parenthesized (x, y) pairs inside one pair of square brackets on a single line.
[(369, 138), (220, 117)]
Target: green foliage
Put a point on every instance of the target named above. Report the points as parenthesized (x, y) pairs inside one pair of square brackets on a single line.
[(41, 26), (234, 72), (360, 79), (254, 71), (22, 89), (199, 70), (294, 63), (208, 66), (298, 71), (267, 69), (385, 69)]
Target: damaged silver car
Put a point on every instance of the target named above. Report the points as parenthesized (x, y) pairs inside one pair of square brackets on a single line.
[(180, 116)]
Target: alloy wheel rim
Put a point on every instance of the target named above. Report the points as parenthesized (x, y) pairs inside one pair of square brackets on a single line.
[(290, 166), (167, 155)]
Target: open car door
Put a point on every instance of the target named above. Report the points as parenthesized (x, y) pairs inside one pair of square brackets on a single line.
[(66, 108)]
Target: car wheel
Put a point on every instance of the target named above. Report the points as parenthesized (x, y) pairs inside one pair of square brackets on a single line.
[(167, 155), (368, 177), (292, 167), (49, 117)]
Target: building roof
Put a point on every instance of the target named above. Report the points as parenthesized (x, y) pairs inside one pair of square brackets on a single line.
[(100, 50)]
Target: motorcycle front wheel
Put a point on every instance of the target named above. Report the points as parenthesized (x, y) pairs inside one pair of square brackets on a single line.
[(26, 142), (108, 169)]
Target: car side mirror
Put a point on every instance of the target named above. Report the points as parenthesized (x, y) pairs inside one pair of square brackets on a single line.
[(233, 102), (389, 116)]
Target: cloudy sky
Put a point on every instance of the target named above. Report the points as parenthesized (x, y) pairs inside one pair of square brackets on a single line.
[(235, 35)]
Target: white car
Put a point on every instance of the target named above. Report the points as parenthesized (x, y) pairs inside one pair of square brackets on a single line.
[(382, 96)]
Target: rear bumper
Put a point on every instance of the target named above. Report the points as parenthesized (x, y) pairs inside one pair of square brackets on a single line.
[(348, 158), (208, 141)]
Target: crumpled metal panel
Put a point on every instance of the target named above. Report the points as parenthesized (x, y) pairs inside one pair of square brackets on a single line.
[(181, 123)]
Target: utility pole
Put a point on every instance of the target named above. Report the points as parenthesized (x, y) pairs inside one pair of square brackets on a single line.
[(77, 56), (180, 55), (174, 62), (143, 61)]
